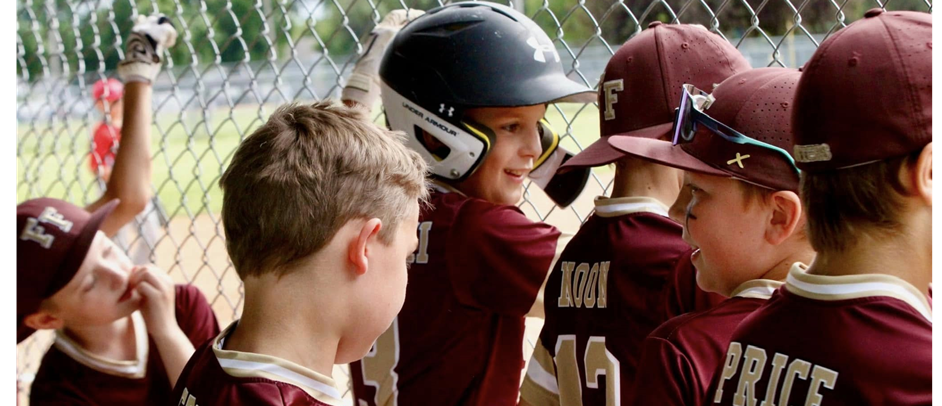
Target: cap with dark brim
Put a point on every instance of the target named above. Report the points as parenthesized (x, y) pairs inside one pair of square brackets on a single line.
[(602, 153), (664, 153)]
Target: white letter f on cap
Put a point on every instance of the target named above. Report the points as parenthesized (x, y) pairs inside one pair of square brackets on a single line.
[(35, 232), (609, 88)]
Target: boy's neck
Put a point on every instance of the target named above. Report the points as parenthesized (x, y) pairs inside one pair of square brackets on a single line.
[(115, 340), (896, 256), (275, 323), (804, 254), (643, 179)]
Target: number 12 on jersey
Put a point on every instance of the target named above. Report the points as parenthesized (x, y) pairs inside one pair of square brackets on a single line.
[(596, 360)]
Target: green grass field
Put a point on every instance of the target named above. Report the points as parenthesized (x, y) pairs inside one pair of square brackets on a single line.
[(190, 150)]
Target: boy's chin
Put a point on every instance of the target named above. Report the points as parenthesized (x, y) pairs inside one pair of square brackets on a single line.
[(510, 198), (348, 351), (116, 315)]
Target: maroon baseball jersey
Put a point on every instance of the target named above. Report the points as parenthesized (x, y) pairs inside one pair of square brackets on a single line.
[(684, 295), (459, 337), (831, 341), (681, 355), (71, 375), (932, 296), (605, 294), (217, 376)]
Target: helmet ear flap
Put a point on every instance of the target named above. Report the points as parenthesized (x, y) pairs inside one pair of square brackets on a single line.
[(452, 149), (549, 141), (438, 149), (481, 131)]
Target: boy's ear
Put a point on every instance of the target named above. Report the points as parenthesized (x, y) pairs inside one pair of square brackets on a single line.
[(43, 320), (922, 175), (358, 250), (786, 216)]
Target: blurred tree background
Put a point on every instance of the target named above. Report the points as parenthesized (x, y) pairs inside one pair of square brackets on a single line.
[(90, 32)]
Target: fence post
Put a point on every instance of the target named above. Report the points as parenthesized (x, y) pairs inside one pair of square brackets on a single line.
[(519, 5)]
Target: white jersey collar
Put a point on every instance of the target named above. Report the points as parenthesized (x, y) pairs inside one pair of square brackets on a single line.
[(620, 206), (131, 369)]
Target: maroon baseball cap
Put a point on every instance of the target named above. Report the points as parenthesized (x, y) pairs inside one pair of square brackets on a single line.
[(638, 91), (52, 238), (866, 93), (757, 103)]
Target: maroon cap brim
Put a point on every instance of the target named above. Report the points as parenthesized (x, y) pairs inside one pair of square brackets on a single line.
[(76, 255), (602, 153), (662, 152)]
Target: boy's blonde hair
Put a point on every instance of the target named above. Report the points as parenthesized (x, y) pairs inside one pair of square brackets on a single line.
[(306, 172)]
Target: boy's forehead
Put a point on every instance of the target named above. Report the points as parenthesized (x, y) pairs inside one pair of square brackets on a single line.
[(99, 243), (718, 183), (687, 177), (699, 178), (507, 112)]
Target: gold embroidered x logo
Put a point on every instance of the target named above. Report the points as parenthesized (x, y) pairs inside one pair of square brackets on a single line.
[(738, 160)]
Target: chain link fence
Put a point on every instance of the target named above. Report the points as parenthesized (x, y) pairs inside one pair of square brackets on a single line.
[(236, 60)]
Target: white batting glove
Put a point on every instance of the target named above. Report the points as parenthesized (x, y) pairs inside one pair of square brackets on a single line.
[(363, 86), (149, 38)]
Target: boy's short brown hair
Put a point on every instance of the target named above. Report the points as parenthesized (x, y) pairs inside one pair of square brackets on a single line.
[(754, 194), (843, 204), (303, 174)]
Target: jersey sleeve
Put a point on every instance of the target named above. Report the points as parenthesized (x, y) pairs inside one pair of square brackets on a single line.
[(540, 385), (931, 295), (194, 315), (498, 258), (665, 376)]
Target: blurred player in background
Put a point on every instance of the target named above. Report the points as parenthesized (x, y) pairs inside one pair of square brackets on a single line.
[(138, 237)]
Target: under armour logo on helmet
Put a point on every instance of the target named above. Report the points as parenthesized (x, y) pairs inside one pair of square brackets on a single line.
[(541, 49), (451, 110)]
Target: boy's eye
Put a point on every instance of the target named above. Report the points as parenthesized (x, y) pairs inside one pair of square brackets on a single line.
[(512, 128)]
